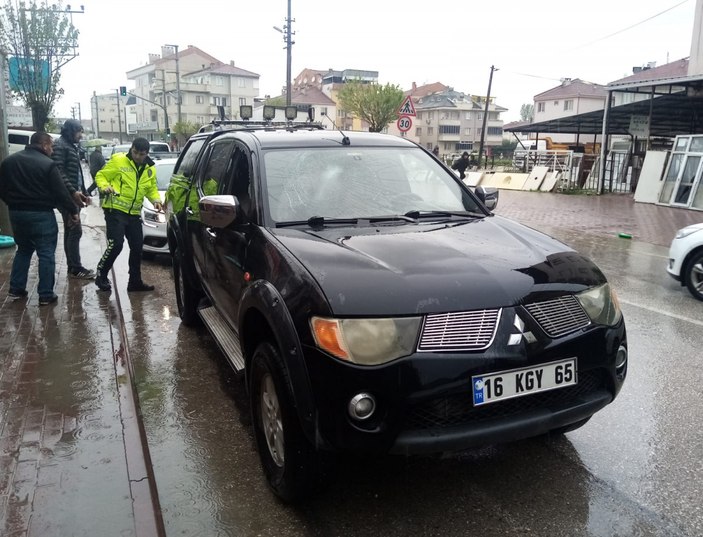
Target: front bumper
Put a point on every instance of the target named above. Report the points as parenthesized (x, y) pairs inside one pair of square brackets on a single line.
[(424, 402), (155, 238)]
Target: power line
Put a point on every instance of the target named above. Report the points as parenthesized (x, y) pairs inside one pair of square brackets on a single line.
[(630, 27)]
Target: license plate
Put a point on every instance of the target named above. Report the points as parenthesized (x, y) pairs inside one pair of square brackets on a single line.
[(524, 381)]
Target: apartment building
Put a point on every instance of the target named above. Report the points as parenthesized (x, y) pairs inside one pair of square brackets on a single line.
[(206, 86)]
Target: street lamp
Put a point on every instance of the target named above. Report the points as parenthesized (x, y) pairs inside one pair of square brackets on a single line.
[(287, 39), (178, 82)]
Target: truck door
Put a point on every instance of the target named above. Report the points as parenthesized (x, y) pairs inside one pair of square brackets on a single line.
[(230, 246), (211, 172)]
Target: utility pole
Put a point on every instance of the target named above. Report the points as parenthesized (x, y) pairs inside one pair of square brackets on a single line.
[(97, 118), (163, 95), (485, 117), (5, 226), (178, 84), (288, 34), (119, 115)]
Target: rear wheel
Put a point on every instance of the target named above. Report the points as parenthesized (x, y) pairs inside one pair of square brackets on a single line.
[(693, 275), (187, 297), (293, 467)]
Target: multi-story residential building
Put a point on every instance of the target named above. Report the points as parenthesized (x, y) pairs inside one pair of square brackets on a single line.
[(329, 82), (571, 97), (109, 120), (453, 121), (204, 82)]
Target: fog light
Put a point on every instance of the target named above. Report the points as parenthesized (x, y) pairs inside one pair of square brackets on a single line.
[(621, 360), (362, 406)]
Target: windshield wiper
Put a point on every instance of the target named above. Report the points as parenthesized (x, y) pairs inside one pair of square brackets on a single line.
[(318, 222), (415, 214)]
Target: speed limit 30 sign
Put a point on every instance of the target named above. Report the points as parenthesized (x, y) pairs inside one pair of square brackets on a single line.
[(404, 123)]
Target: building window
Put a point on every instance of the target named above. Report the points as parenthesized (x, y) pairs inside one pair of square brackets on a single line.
[(478, 130), (418, 131), (568, 104), (494, 131), (241, 83), (242, 101), (219, 101), (430, 131), (199, 120), (464, 146), (154, 116), (468, 115), (479, 116), (540, 107), (449, 129), (323, 111), (219, 81), (467, 132), (199, 99), (556, 103)]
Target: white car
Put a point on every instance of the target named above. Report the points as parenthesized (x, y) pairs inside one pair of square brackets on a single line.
[(686, 258), (153, 221)]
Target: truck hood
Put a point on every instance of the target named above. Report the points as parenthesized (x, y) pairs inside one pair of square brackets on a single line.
[(428, 268)]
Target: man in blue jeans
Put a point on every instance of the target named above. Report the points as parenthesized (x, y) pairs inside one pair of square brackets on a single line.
[(31, 185)]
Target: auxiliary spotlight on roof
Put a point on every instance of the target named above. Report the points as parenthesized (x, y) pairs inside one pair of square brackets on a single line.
[(269, 112), (246, 111), (291, 113)]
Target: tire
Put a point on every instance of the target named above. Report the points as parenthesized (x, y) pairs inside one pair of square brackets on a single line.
[(292, 466), (568, 428), (187, 297), (693, 275)]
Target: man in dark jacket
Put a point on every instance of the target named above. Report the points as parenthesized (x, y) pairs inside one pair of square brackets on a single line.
[(96, 161), (31, 185), (461, 164), (69, 163)]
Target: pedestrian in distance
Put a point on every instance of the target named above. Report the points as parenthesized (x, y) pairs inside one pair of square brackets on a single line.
[(435, 151), (124, 182), (96, 161), (68, 160), (462, 164), (32, 187)]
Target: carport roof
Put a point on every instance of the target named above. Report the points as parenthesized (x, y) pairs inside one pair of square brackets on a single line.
[(677, 108)]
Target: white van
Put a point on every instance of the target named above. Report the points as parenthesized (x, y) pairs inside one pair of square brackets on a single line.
[(17, 139)]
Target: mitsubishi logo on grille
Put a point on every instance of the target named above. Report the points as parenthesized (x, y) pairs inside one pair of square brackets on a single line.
[(519, 325)]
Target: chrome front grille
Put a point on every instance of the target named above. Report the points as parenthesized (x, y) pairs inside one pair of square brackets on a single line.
[(560, 316), (459, 331)]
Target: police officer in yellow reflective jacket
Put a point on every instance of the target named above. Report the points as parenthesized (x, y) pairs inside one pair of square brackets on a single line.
[(124, 182)]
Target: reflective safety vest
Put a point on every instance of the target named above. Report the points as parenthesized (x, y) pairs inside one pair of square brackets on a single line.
[(130, 186)]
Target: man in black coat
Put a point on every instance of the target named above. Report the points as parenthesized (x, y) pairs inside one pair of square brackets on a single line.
[(461, 164), (68, 161), (31, 186)]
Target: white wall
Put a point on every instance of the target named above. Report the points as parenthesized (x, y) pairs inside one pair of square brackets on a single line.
[(695, 63)]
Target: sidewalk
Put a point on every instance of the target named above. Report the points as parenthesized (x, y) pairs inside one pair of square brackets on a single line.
[(71, 458)]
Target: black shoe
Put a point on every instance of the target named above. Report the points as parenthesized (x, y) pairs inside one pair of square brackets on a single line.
[(46, 300), (103, 283), (17, 293), (139, 286), (82, 273)]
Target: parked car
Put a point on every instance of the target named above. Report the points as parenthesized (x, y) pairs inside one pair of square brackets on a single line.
[(18, 139), (157, 150), (686, 259), (374, 304), (153, 221)]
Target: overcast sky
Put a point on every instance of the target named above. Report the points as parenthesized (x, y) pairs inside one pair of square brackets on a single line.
[(533, 44)]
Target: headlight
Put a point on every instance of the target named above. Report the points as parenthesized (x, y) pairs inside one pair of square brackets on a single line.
[(366, 341), (153, 216), (601, 305)]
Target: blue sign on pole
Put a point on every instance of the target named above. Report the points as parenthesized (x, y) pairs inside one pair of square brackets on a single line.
[(26, 69)]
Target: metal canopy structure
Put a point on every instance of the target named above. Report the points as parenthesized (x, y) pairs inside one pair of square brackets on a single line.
[(674, 106)]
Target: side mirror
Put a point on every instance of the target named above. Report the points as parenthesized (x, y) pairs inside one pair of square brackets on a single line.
[(218, 211), (488, 196)]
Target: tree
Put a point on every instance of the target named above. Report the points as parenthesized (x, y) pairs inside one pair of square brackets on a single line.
[(38, 38), (185, 129), (526, 112), (377, 105)]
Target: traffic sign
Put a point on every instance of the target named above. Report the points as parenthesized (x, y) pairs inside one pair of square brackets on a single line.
[(407, 108), (404, 123)]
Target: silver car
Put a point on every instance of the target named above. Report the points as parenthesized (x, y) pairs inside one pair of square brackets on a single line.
[(153, 221)]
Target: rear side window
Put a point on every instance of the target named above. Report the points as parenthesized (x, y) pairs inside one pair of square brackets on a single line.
[(213, 169), (21, 139)]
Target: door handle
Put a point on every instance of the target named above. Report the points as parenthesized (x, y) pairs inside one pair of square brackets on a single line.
[(212, 234), (189, 211)]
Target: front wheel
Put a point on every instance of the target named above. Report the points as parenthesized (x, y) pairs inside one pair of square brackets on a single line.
[(292, 466), (187, 297), (693, 275)]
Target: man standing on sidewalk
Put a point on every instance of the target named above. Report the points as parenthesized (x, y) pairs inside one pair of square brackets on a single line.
[(124, 182), (31, 185), (69, 163)]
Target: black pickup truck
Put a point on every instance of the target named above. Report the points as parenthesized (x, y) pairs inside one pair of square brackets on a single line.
[(375, 304)]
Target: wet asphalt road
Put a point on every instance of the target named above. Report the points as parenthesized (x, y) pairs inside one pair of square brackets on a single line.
[(635, 469)]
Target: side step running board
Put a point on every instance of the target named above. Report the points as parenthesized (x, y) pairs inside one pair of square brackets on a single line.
[(227, 340)]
